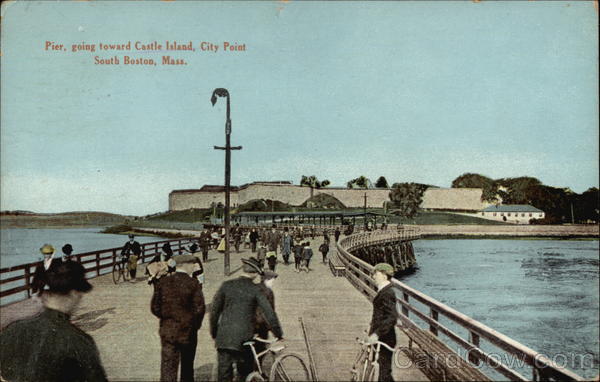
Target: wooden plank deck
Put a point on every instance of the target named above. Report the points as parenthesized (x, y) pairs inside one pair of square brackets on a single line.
[(119, 319)]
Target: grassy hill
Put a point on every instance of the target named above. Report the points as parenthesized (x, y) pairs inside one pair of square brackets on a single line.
[(27, 219)]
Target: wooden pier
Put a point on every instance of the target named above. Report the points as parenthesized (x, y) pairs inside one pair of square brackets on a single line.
[(119, 319), (331, 311)]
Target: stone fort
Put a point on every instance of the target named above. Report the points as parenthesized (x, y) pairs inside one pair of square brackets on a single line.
[(448, 199)]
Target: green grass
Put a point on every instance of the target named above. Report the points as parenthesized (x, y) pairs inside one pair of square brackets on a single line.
[(429, 217), (192, 215)]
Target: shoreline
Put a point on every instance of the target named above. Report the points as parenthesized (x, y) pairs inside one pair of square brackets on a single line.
[(428, 232)]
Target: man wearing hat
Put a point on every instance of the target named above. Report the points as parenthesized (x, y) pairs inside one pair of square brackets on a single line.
[(233, 318), (273, 239), (39, 276), (67, 249), (384, 318), (47, 347), (179, 304), (132, 250)]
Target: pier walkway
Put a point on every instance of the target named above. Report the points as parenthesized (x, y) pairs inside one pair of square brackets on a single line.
[(334, 314)]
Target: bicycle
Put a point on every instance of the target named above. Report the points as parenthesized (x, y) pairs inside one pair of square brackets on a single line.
[(286, 367), (366, 366), (120, 269)]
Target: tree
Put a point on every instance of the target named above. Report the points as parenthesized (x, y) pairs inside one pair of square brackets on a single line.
[(360, 182), (382, 183), (518, 190), (313, 182), (586, 207), (406, 198)]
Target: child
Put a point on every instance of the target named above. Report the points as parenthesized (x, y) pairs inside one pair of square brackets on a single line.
[(307, 253), (298, 256), (272, 260), (262, 255)]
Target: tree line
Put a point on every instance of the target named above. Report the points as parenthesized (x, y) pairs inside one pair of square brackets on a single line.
[(561, 205)]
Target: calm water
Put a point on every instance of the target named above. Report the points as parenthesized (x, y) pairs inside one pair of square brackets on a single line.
[(542, 293), (20, 246)]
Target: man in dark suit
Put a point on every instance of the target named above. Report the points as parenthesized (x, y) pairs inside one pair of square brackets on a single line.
[(133, 251), (232, 320), (384, 318), (39, 277), (179, 303), (273, 238), (48, 347)]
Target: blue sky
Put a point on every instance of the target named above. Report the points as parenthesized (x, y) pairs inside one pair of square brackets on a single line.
[(414, 91)]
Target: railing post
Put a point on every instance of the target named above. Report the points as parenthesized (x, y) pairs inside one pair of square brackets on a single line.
[(97, 263), (404, 308), (434, 315), (474, 339), (27, 282)]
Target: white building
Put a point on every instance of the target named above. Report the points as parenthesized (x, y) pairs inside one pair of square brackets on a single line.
[(512, 213)]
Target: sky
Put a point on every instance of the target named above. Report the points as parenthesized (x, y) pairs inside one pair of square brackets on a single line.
[(413, 91)]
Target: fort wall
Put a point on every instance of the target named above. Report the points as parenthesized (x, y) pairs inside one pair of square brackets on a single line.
[(183, 200), (459, 199)]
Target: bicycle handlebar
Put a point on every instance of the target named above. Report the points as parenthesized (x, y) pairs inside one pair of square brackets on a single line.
[(266, 341), (363, 343)]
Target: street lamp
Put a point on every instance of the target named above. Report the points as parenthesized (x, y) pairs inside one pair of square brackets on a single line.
[(220, 92)]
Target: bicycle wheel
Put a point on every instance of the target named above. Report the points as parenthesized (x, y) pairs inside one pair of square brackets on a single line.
[(254, 377), (116, 273), (289, 367), (125, 270), (373, 373)]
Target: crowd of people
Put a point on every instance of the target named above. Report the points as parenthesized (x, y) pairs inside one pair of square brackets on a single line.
[(48, 347)]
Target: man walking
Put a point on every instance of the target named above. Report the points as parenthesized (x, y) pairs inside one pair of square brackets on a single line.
[(253, 239), (179, 304), (286, 245), (273, 239), (384, 318), (48, 347), (205, 243), (237, 237), (232, 320), (337, 234)]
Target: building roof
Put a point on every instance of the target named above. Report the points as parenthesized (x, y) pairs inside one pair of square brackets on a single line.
[(512, 208)]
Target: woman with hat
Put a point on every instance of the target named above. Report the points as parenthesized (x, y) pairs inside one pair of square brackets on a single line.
[(39, 276)]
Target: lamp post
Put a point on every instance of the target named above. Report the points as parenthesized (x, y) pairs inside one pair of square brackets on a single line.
[(220, 92)]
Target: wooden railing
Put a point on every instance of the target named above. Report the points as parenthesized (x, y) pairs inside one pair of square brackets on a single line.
[(431, 312), (94, 262)]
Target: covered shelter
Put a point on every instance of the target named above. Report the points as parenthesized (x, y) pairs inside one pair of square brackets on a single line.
[(303, 217)]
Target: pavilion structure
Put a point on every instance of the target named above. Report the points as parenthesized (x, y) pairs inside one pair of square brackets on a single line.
[(305, 217)]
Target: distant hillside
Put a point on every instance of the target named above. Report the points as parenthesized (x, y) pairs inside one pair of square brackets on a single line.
[(28, 219)]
